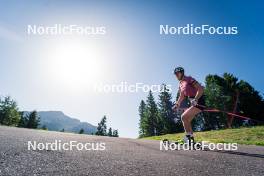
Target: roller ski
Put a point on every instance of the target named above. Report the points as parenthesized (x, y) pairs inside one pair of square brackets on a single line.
[(188, 143)]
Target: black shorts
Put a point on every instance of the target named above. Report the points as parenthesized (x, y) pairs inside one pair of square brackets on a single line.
[(201, 103)]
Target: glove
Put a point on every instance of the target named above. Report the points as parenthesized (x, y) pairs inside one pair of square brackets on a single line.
[(194, 102)]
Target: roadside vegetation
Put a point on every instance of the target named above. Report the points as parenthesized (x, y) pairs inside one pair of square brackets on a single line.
[(244, 135), (10, 115), (102, 129)]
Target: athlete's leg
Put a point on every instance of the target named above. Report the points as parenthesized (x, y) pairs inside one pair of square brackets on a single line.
[(187, 117)]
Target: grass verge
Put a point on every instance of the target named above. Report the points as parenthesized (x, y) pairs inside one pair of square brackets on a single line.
[(247, 136)]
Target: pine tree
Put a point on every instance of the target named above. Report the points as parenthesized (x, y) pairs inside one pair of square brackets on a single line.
[(81, 131), (166, 113), (229, 94), (115, 133), (251, 103), (9, 114), (33, 120), (142, 119), (110, 133), (101, 128), (216, 97), (23, 120), (152, 117)]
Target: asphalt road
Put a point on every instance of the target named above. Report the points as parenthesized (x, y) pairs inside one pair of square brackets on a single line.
[(121, 157)]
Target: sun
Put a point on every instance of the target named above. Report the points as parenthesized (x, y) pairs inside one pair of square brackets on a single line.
[(76, 63)]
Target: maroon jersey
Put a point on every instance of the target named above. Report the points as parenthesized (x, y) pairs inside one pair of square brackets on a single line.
[(187, 86)]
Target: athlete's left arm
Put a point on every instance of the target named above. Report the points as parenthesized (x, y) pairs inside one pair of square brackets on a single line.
[(200, 90)]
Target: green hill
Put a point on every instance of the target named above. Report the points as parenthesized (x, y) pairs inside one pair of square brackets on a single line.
[(248, 136)]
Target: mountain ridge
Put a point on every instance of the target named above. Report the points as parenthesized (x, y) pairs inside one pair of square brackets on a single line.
[(58, 121)]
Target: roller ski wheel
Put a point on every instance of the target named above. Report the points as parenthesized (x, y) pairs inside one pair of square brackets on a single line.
[(191, 143), (171, 141)]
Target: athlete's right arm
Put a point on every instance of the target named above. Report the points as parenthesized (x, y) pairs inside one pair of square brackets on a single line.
[(180, 99), (178, 102)]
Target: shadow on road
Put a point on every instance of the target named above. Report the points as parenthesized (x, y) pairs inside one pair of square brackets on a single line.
[(238, 153)]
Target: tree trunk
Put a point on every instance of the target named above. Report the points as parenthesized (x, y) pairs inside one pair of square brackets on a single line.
[(230, 117)]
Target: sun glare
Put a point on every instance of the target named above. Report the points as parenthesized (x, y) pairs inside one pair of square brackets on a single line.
[(76, 64)]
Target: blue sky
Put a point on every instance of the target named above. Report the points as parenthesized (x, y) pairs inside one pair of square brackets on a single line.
[(131, 51)]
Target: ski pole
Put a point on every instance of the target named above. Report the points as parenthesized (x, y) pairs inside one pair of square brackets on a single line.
[(229, 113)]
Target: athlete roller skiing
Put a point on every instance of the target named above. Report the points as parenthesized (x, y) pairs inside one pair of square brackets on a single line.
[(190, 88)]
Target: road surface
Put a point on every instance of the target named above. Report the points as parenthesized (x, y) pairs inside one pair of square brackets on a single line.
[(121, 157)]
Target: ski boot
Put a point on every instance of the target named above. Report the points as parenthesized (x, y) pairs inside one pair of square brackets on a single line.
[(189, 139)]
